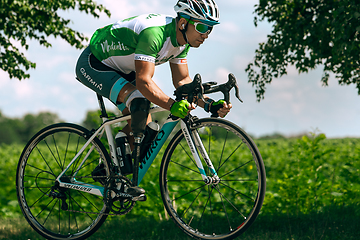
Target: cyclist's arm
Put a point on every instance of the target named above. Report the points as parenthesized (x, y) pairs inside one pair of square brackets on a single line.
[(144, 83), (180, 76)]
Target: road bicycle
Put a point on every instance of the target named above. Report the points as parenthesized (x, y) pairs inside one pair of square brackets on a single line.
[(62, 198)]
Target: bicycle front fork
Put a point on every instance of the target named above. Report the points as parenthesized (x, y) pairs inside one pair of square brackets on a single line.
[(195, 144)]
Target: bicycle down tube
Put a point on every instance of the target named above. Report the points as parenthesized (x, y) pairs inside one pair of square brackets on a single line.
[(159, 141)]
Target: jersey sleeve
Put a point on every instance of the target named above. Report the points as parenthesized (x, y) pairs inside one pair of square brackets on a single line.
[(181, 58), (149, 44)]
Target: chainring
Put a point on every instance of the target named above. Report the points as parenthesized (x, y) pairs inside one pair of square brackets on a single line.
[(114, 197)]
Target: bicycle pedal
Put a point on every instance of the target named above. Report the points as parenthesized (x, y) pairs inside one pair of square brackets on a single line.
[(141, 198)]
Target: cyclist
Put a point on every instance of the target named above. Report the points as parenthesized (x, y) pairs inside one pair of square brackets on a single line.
[(120, 61)]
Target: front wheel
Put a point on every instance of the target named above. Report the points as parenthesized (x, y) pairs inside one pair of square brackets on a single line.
[(53, 211), (221, 210)]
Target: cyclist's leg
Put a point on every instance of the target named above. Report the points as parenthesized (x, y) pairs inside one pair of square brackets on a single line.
[(100, 78), (127, 129), (118, 87)]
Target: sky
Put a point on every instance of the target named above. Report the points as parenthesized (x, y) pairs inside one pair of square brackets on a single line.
[(294, 104)]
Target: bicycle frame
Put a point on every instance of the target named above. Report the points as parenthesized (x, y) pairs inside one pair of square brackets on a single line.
[(193, 141)]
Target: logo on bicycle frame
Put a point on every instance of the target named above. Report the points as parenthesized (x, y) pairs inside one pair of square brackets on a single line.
[(86, 189), (152, 147)]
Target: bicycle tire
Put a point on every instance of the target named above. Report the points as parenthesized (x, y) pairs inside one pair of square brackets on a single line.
[(42, 160), (215, 211)]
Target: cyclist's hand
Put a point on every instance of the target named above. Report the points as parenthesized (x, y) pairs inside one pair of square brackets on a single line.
[(181, 109), (219, 108)]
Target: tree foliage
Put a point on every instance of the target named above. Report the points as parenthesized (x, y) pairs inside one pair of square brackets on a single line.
[(22, 20), (20, 130), (93, 119), (308, 33)]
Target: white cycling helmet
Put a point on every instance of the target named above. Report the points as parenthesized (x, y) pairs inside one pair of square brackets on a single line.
[(205, 11)]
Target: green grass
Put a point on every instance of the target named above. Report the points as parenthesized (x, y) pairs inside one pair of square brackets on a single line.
[(313, 192), (333, 223)]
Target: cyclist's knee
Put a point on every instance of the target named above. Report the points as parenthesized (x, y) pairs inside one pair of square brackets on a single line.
[(125, 92)]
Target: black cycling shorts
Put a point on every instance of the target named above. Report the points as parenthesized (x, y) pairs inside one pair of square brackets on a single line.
[(100, 78)]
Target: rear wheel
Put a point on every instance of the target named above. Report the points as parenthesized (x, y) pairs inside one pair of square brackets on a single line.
[(55, 212), (221, 210)]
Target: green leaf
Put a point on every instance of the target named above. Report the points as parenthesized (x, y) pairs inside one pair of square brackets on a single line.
[(325, 30), (24, 20)]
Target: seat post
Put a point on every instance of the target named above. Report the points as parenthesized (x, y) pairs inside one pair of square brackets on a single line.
[(102, 106)]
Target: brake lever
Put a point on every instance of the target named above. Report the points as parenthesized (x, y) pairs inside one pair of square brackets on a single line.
[(190, 90), (225, 88), (233, 83)]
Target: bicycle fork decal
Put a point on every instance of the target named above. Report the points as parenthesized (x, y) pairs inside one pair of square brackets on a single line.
[(190, 141), (201, 148)]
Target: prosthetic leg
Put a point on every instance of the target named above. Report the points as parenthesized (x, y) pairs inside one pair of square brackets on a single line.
[(139, 109)]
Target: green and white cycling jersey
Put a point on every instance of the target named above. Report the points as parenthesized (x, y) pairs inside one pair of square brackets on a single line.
[(150, 37)]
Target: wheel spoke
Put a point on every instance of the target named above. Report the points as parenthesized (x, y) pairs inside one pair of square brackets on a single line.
[(224, 207), (52, 153), (197, 195), (207, 201), (190, 156), (237, 191), (46, 162), (37, 200), (185, 167), (57, 151), (229, 157), (189, 192), (78, 160), (231, 203), (236, 169), (222, 151), (80, 207)]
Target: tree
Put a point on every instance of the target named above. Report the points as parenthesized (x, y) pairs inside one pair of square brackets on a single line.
[(20, 130), (93, 120), (31, 124), (22, 20), (308, 33), (8, 132)]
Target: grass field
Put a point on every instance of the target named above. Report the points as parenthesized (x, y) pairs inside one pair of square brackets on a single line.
[(313, 192), (334, 223)]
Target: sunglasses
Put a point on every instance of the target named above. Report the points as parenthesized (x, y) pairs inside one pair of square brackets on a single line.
[(201, 27)]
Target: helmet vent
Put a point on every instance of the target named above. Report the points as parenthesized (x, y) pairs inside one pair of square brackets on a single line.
[(198, 9)]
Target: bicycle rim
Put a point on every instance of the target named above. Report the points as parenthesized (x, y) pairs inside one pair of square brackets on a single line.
[(54, 212), (216, 211)]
